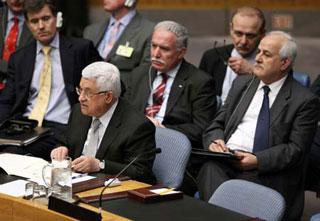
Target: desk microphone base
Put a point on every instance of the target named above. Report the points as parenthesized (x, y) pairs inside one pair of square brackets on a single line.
[(72, 210)]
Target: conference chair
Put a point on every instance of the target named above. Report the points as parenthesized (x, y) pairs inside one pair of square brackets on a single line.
[(170, 165), (250, 199), (315, 217), (302, 78)]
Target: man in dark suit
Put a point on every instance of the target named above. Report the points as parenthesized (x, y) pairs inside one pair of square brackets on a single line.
[(66, 58), (188, 98), (247, 27), (272, 144), (121, 133), (12, 10), (124, 38)]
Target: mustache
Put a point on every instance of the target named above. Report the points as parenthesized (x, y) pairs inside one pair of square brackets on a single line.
[(158, 60), (243, 47)]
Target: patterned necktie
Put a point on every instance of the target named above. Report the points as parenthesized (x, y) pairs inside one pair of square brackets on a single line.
[(261, 137), (157, 97), (92, 143), (11, 40), (39, 110), (112, 38)]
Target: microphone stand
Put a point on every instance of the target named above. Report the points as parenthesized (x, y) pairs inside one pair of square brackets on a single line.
[(157, 150)]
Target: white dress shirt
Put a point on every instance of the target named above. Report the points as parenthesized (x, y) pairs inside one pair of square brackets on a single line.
[(105, 120), (231, 75), (243, 137), (157, 81)]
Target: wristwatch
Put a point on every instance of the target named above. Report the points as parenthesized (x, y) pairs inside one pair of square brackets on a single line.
[(101, 165)]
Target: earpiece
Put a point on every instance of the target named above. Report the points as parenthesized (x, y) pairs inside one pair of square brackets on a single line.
[(59, 20), (129, 3)]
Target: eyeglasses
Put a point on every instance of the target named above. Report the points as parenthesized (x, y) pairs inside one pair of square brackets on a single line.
[(226, 53), (88, 94)]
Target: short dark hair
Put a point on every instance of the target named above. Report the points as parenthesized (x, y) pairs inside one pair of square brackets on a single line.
[(251, 11), (37, 5)]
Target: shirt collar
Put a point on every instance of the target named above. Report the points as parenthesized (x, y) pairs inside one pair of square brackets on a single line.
[(11, 16), (105, 118), (54, 43), (275, 86), (125, 20), (173, 72)]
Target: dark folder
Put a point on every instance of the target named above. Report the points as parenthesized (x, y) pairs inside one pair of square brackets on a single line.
[(23, 139), (213, 155)]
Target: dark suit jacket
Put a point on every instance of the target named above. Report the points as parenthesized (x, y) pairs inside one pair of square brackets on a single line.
[(25, 37), (75, 55), (137, 33), (191, 103), (128, 134), (293, 121), (213, 63)]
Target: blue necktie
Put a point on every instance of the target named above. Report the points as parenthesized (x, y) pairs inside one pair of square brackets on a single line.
[(261, 136)]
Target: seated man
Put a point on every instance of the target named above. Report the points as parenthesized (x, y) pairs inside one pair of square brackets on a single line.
[(14, 33), (172, 92), (247, 28), (104, 132), (42, 76), (272, 144), (123, 39)]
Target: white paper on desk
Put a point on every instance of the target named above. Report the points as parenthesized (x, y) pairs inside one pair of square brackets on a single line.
[(15, 188), (163, 191), (79, 177), (21, 165)]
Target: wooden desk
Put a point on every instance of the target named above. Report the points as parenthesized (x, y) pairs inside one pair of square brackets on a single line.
[(18, 209)]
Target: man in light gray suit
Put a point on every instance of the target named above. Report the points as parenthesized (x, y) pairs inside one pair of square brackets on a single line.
[(12, 9), (124, 38), (269, 120)]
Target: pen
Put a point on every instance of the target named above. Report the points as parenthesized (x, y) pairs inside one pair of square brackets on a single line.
[(228, 149), (166, 191), (79, 176)]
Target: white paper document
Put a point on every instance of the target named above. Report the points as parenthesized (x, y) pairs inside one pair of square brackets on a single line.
[(21, 165), (15, 188)]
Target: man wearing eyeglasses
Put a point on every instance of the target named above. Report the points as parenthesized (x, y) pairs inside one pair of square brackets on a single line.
[(105, 133), (247, 28), (42, 76)]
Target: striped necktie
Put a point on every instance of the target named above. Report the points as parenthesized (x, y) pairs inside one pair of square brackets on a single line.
[(157, 97), (112, 38)]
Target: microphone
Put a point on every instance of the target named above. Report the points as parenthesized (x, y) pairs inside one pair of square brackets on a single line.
[(156, 151)]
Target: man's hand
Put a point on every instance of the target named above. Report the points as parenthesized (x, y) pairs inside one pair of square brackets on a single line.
[(240, 66), (247, 161), (59, 153), (218, 146), (85, 164), (155, 122)]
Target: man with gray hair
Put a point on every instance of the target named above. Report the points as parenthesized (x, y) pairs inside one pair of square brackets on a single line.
[(268, 121), (172, 92), (105, 133)]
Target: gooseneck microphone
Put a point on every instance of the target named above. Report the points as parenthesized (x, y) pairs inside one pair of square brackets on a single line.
[(156, 151)]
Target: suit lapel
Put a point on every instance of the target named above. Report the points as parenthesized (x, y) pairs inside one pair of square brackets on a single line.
[(3, 26), (126, 35), (242, 106), (111, 132), (281, 100), (84, 129), (96, 39), (145, 88), (67, 60), (177, 86)]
